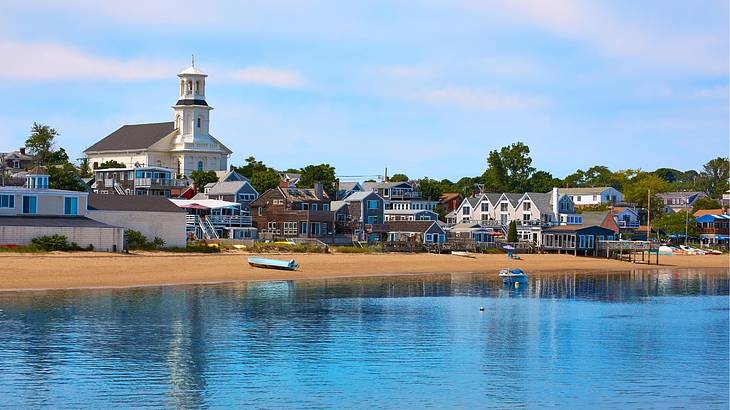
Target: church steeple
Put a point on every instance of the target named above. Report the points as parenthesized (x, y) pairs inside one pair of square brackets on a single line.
[(191, 110)]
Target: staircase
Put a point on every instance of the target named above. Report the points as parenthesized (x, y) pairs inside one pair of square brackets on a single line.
[(118, 189), (208, 231)]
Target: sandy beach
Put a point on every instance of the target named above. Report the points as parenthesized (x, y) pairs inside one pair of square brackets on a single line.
[(94, 270)]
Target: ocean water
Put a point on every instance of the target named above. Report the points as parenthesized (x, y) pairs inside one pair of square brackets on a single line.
[(575, 340)]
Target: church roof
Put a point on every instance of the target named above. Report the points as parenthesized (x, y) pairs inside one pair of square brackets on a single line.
[(192, 70), (134, 136)]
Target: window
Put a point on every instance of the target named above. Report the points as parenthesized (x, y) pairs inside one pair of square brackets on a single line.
[(30, 204), (71, 205), (7, 201), (315, 228), (303, 228), (503, 207), (526, 217), (200, 165), (314, 207), (465, 210), (373, 219), (485, 206), (271, 226), (465, 219), (16, 164), (526, 206), (198, 122), (305, 206), (325, 207), (429, 237), (372, 204), (259, 211), (278, 202), (290, 228)]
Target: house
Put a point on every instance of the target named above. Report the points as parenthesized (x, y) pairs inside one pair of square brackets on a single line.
[(35, 210), (15, 161), (215, 219), (183, 145), (289, 179), (153, 181), (410, 215), (415, 232), (449, 201), (680, 201), (344, 189), (227, 176), (626, 217), (472, 230), (401, 196), (152, 216), (233, 191), (364, 208), (713, 226), (577, 239), (593, 196), (281, 213), (725, 201)]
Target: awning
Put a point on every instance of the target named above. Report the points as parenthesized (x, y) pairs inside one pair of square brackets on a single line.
[(194, 206)]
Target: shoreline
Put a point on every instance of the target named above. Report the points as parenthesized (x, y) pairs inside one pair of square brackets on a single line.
[(67, 271)]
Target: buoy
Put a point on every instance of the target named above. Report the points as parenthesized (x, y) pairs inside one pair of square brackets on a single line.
[(481, 309), (517, 284)]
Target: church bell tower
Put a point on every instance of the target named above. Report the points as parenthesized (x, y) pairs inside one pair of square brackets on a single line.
[(192, 113)]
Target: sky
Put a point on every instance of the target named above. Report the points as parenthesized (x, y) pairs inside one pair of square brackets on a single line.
[(425, 87)]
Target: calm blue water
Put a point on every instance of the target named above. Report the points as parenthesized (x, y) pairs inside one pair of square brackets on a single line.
[(633, 340)]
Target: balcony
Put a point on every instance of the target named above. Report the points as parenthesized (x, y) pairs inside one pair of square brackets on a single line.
[(160, 182), (399, 194), (627, 224), (229, 220)]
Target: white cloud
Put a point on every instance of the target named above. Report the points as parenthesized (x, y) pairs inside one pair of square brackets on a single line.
[(268, 76), (474, 99), (618, 35), (50, 61)]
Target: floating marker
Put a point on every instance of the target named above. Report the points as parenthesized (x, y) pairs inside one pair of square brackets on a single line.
[(481, 309)]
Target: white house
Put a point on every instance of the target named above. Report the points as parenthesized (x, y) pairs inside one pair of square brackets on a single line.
[(593, 196), (183, 145)]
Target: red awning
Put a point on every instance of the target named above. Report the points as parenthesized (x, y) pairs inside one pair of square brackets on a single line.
[(194, 206)]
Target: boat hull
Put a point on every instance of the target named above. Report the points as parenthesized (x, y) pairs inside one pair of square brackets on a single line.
[(273, 263)]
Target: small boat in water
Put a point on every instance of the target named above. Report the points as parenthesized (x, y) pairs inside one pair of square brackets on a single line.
[(513, 276), (273, 263)]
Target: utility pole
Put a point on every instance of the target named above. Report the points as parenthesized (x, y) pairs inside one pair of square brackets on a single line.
[(648, 215), (686, 219)]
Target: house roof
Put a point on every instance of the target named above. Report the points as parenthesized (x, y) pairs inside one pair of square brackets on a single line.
[(409, 226), (369, 186), (679, 194), (468, 226), (713, 218), (302, 194), (358, 196), (224, 176), (575, 228), (449, 196), (53, 222), (583, 191), (204, 203), (543, 201), (349, 186), (493, 197), (133, 136), (703, 212), (472, 200), (513, 197), (226, 188), (407, 211), (192, 70), (145, 203), (337, 205), (392, 185)]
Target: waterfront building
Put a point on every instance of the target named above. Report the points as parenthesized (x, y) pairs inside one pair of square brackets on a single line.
[(679, 201), (35, 210), (593, 196), (282, 213), (183, 145)]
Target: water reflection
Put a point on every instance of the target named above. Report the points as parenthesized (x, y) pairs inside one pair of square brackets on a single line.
[(321, 343)]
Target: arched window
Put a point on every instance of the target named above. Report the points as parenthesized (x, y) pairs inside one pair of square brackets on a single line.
[(198, 122), (200, 165), (197, 87), (177, 121), (190, 86), (182, 87)]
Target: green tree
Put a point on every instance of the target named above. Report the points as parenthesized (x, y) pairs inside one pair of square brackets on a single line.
[(41, 141), (542, 181), (85, 169), (65, 177), (509, 169), (252, 166), (399, 178), (265, 180), (637, 191), (57, 157), (441, 211), (202, 178), (322, 173), (713, 179), (512, 232), (705, 203), (675, 223), (110, 164), (430, 189), (669, 174), (465, 186)]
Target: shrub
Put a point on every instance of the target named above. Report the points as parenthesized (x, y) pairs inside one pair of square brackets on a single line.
[(53, 243), (355, 249), (263, 247), (135, 240)]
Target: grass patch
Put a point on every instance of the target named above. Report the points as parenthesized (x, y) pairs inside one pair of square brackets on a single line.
[(271, 247), (195, 247), (357, 249)]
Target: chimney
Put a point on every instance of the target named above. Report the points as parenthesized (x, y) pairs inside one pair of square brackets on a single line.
[(386, 175), (556, 208), (22, 150), (318, 190)]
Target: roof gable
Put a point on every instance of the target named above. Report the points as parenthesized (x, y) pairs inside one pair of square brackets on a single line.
[(134, 136)]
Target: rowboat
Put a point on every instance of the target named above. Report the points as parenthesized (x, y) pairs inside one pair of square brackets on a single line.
[(463, 254), (273, 263), (513, 276)]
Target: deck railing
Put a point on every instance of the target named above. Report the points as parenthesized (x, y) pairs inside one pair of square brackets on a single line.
[(164, 182)]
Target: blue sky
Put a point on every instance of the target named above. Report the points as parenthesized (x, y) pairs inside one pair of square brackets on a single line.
[(423, 87)]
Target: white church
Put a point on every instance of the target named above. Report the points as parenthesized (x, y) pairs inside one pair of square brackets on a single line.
[(183, 145)]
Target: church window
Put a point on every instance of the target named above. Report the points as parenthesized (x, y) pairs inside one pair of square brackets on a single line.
[(190, 86), (198, 122), (182, 87), (200, 165), (197, 87)]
